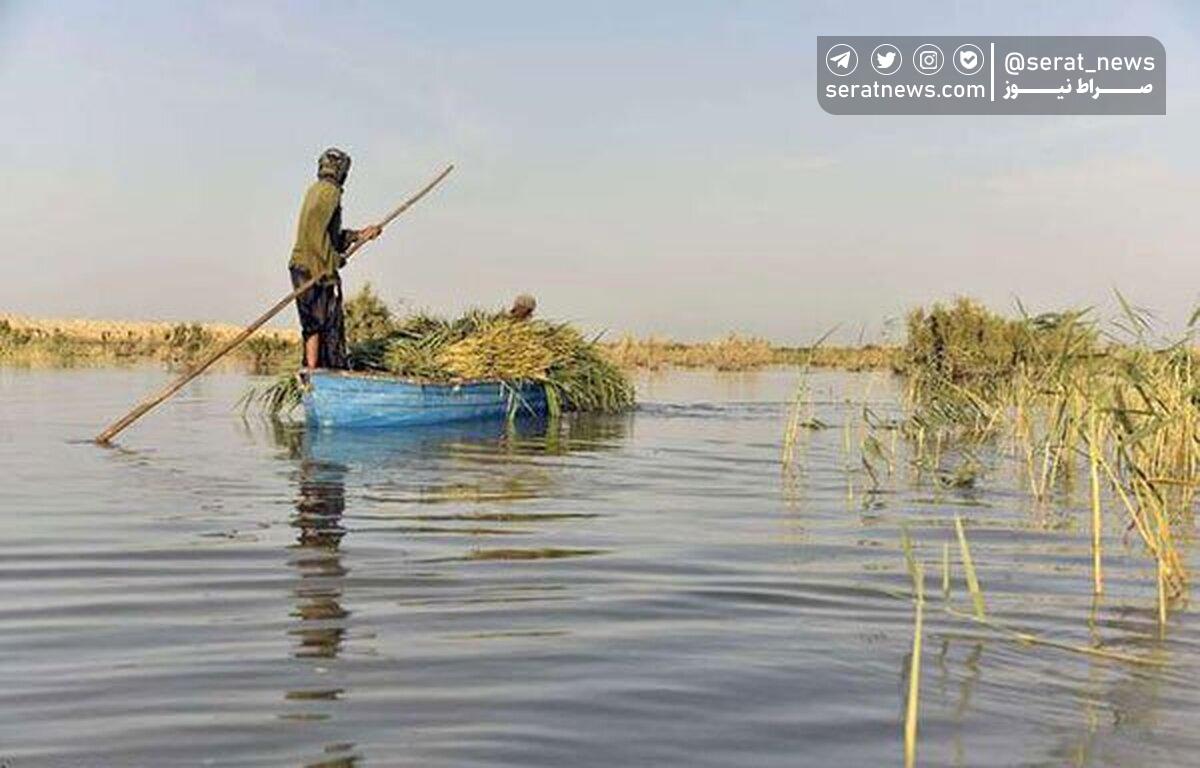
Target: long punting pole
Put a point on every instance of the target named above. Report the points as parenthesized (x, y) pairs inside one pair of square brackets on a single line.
[(143, 407)]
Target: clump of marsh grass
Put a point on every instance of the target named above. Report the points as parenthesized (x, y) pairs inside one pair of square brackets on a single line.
[(1064, 394), (278, 399), (186, 341), (367, 316), (270, 353), (800, 411)]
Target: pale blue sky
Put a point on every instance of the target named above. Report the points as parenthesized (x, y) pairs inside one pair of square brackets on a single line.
[(656, 167)]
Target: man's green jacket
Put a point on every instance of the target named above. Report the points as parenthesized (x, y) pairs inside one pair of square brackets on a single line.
[(320, 239)]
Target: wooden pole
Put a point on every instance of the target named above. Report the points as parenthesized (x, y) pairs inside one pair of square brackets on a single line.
[(120, 424)]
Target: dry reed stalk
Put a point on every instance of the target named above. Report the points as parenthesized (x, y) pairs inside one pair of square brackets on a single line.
[(1161, 578), (969, 568), (1029, 638), (1025, 638), (946, 570), (1094, 466), (800, 396), (914, 672), (791, 433)]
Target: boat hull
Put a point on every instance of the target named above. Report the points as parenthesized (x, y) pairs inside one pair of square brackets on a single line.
[(349, 399)]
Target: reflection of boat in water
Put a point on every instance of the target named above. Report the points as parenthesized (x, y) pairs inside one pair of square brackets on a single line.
[(479, 462), (378, 447), (356, 399), (391, 447), (454, 491)]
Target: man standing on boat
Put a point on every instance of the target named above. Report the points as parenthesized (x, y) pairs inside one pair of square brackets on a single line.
[(320, 243)]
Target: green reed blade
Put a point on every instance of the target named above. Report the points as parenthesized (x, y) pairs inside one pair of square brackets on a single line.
[(969, 568)]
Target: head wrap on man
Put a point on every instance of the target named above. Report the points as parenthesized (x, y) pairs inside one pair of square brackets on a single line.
[(333, 165)]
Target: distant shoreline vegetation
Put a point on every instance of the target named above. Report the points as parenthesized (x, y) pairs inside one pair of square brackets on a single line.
[(734, 352), (33, 342)]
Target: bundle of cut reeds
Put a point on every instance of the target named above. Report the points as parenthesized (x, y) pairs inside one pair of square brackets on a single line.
[(479, 345)]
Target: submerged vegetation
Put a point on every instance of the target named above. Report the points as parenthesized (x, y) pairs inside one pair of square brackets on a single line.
[(978, 616), (1066, 398), (1100, 417), (1069, 400)]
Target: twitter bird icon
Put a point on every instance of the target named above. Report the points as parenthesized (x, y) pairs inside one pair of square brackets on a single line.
[(886, 59)]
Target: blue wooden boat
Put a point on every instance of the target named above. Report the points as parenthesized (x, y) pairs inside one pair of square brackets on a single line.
[(358, 399)]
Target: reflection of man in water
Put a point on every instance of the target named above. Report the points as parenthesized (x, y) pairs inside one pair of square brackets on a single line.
[(318, 517)]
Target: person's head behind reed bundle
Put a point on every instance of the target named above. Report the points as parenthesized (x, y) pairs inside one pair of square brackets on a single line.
[(523, 307)]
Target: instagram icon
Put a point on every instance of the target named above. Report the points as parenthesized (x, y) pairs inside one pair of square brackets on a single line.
[(928, 59)]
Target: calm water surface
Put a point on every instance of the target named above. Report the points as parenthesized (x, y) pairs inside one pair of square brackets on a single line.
[(644, 590)]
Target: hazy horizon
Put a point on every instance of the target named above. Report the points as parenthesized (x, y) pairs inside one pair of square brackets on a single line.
[(656, 170)]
